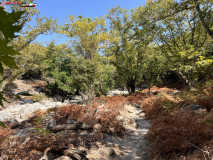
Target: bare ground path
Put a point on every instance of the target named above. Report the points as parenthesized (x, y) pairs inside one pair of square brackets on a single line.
[(133, 146)]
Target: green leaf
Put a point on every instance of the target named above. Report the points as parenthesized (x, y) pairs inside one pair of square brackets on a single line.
[(7, 22), (9, 61), (6, 50), (2, 99), (2, 124), (18, 97)]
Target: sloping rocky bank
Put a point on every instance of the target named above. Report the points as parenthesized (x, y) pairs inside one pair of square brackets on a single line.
[(22, 112)]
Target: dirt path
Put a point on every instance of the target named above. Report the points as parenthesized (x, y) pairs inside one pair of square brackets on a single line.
[(133, 146)]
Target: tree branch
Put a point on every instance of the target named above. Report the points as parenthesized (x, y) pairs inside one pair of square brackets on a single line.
[(208, 30)]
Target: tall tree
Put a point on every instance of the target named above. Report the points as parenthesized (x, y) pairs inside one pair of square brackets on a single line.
[(89, 36), (155, 66), (169, 8), (181, 37), (128, 49)]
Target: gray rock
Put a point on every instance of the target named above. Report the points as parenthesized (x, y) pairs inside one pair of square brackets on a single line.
[(51, 123), (63, 158), (97, 127), (117, 93), (76, 156), (22, 132), (44, 158), (23, 93), (102, 153), (29, 101), (196, 108), (14, 124), (76, 97), (24, 101), (5, 115), (76, 153), (70, 121), (155, 92), (25, 111), (127, 121), (173, 92), (137, 105), (75, 101), (66, 101), (107, 151)]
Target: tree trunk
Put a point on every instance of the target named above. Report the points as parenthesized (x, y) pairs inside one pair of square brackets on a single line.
[(77, 92), (149, 89), (131, 86), (184, 80), (101, 88)]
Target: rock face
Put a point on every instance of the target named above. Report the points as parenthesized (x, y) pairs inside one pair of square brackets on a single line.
[(24, 112), (20, 87)]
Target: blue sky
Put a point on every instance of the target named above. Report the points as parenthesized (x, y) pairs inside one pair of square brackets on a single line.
[(61, 9)]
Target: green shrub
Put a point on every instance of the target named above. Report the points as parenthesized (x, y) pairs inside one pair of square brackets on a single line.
[(38, 97)]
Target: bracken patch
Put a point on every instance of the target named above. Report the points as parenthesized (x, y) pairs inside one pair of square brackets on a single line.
[(178, 133)]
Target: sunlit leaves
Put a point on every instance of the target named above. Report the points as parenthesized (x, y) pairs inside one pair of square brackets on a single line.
[(7, 22), (8, 30), (88, 35)]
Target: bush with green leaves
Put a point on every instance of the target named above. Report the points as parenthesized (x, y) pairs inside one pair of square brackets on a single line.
[(70, 73)]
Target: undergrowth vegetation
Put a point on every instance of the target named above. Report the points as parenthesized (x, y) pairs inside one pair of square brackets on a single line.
[(38, 97), (4, 132), (99, 117), (177, 129)]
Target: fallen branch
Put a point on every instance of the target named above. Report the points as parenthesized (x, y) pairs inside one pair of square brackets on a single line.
[(45, 154), (58, 128), (206, 152)]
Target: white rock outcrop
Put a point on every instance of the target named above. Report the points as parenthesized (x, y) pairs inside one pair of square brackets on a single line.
[(24, 112)]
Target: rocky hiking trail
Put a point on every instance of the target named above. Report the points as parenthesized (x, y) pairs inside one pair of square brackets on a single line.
[(133, 146), (72, 135)]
